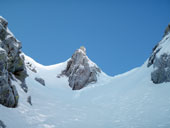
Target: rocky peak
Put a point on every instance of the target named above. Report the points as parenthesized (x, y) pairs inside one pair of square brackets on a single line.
[(80, 70), (83, 49)]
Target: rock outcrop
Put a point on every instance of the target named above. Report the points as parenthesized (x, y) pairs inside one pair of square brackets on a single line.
[(80, 70), (29, 100), (162, 72), (40, 80), (167, 30), (160, 60), (31, 67), (2, 125), (11, 63)]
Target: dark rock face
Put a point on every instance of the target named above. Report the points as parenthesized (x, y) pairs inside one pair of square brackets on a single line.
[(155, 50), (29, 100), (162, 72), (160, 62), (2, 125), (11, 62), (80, 70), (167, 30), (40, 80)]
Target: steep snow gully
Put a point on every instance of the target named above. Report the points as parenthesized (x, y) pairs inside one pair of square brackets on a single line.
[(77, 94)]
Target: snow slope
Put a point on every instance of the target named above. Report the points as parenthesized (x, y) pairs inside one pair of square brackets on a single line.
[(129, 100)]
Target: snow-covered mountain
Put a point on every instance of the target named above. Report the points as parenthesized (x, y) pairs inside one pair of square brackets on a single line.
[(77, 94)]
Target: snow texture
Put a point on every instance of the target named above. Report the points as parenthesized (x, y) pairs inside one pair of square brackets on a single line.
[(123, 101)]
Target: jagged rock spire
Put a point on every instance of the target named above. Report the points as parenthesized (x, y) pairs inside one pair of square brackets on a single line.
[(80, 70), (83, 49)]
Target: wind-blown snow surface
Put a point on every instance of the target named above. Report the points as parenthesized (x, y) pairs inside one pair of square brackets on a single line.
[(129, 100)]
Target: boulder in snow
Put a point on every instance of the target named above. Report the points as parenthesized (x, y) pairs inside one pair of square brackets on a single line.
[(2, 125), (29, 100), (40, 80)]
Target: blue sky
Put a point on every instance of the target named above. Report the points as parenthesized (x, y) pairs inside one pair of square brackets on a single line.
[(118, 35)]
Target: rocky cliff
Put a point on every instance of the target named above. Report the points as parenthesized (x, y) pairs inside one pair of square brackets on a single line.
[(11, 66), (160, 59)]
